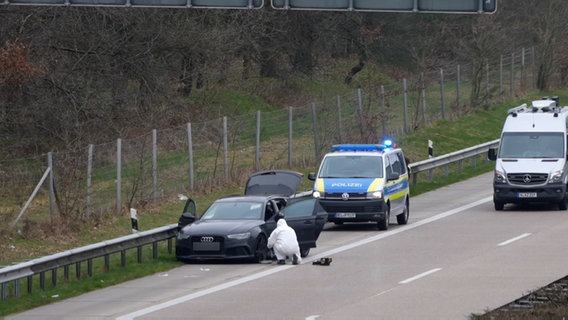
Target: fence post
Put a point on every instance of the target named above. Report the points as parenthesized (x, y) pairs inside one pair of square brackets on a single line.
[(339, 120), (458, 87), (89, 179), (405, 96), (290, 131), (423, 94), (118, 175), (190, 155), (362, 128), (443, 100), (154, 163), (383, 111), (501, 91), (315, 127), (51, 184), (257, 153), (512, 86), (225, 148), (523, 69)]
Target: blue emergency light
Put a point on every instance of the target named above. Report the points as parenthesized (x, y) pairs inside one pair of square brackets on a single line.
[(387, 144)]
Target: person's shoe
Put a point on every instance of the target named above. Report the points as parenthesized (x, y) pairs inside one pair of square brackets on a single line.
[(295, 260), (281, 262)]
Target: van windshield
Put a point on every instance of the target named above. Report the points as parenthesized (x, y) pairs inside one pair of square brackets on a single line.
[(532, 145), (352, 167)]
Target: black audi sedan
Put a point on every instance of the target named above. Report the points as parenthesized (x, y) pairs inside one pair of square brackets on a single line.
[(238, 227)]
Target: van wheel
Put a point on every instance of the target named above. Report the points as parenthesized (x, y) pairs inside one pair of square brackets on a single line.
[(403, 217), (562, 205), (383, 224)]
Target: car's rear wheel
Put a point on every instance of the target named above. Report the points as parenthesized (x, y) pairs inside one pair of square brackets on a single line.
[(383, 224), (261, 252), (403, 217), (304, 252)]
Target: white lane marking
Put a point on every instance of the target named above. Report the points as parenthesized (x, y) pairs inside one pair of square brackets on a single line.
[(418, 276), (524, 235), (313, 317), (268, 272)]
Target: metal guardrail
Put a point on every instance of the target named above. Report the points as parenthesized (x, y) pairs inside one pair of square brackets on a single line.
[(87, 253), (53, 263), (447, 159)]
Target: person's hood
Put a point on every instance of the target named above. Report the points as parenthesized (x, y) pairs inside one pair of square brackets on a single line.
[(281, 223)]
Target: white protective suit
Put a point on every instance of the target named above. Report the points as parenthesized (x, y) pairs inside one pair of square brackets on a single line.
[(284, 241)]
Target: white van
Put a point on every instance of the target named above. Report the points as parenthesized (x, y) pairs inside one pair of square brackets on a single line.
[(531, 161)]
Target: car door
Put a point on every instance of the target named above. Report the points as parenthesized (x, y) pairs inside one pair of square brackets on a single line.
[(306, 216)]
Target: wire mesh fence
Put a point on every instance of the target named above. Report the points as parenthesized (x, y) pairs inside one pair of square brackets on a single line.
[(110, 178)]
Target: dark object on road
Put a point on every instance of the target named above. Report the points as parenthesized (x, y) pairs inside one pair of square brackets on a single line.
[(323, 262)]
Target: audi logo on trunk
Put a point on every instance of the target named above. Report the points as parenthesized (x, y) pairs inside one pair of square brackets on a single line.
[(206, 239)]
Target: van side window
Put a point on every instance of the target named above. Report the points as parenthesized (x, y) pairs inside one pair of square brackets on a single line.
[(403, 164), (395, 163), (388, 167)]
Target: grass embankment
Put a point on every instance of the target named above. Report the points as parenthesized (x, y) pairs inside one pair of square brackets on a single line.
[(447, 136)]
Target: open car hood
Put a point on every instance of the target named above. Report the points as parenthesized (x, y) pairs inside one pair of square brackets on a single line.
[(273, 182)]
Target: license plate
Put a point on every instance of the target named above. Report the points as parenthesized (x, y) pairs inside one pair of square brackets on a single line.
[(206, 246), (526, 195), (345, 215)]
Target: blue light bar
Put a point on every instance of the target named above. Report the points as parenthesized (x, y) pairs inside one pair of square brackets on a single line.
[(358, 147)]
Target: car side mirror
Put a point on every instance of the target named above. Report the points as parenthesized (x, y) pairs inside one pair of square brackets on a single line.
[(492, 154), (312, 176), (185, 219)]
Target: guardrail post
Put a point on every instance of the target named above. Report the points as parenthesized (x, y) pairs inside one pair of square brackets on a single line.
[(54, 277), (123, 258), (107, 262), (42, 280), (139, 254), (170, 245), (90, 267), (17, 287), (30, 284), (3, 294), (155, 250), (66, 272)]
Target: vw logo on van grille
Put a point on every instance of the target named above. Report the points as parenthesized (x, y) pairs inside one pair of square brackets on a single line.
[(345, 196), (527, 178), (206, 239)]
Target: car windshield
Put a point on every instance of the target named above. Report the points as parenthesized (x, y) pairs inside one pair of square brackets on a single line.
[(532, 145), (234, 210), (352, 167)]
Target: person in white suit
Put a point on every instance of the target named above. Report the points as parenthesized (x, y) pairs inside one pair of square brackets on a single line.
[(284, 242)]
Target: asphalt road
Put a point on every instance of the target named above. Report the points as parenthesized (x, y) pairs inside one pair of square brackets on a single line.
[(455, 257)]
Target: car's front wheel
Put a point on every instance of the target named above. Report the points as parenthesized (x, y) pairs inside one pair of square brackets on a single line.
[(383, 224), (261, 252), (498, 205), (563, 204), (304, 252)]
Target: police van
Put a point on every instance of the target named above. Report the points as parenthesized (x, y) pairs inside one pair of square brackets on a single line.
[(531, 161), (364, 183)]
